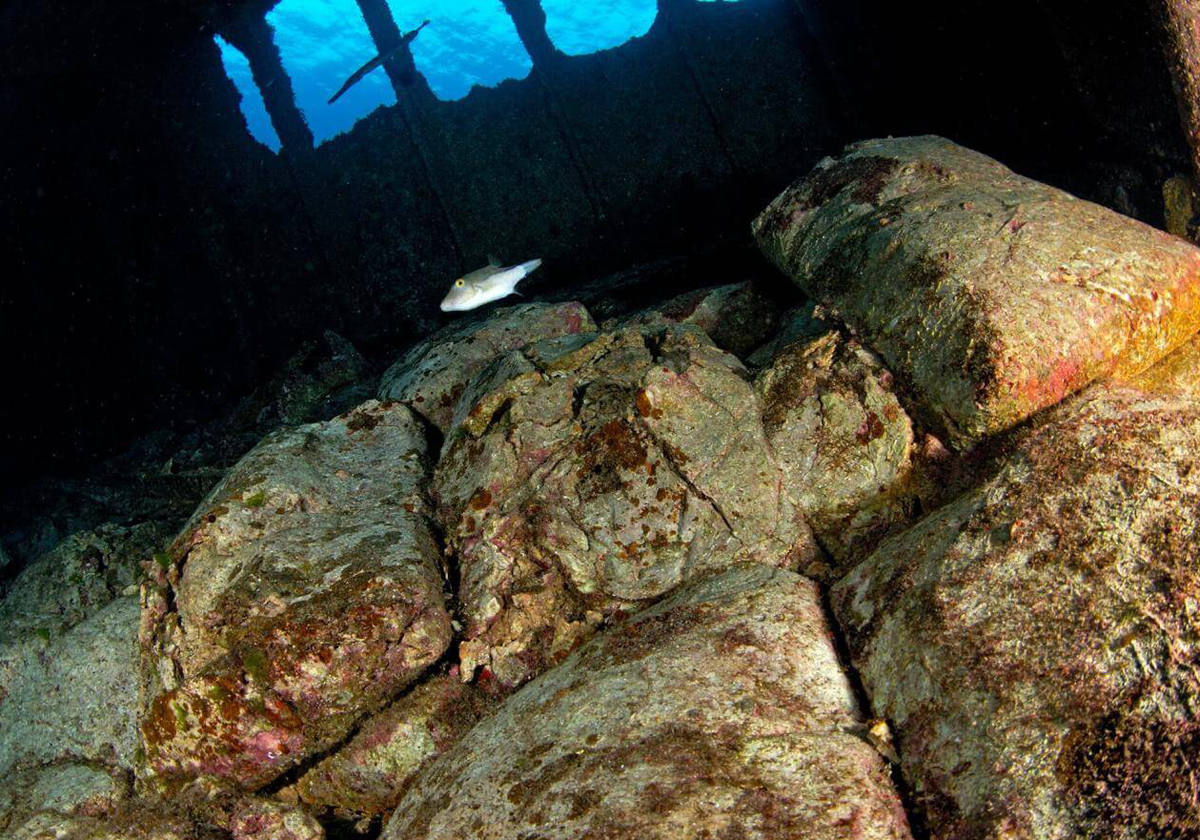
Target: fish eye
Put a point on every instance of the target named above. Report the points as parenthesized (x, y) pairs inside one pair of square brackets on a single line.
[(458, 283)]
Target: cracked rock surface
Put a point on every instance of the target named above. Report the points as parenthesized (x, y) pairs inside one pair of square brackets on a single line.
[(720, 711), (305, 594), (589, 473), (844, 441), (431, 377)]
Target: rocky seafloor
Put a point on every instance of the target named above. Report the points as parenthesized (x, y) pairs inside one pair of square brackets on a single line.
[(911, 554)]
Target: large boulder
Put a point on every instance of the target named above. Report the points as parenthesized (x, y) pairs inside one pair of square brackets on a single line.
[(587, 475), (843, 440), (432, 375), (1035, 642), (304, 595), (722, 711), (991, 295)]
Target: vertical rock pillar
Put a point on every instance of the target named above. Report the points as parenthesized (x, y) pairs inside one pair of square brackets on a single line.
[(253, 37), (530, 20), (1182, 19)]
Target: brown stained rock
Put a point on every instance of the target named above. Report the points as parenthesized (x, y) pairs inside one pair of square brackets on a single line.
[(367, 775), (1034, 643), (431, 377), (720, 712), (303, 595), (991, 295), (737, 317), (261, 819), (843, 441), (608, 475)]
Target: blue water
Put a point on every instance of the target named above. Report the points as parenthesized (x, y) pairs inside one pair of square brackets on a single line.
[(468, 42)]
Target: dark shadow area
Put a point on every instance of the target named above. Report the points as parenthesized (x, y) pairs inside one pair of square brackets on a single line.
[(160, 264)]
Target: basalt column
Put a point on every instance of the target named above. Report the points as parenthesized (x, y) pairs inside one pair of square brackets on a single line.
[(253, 37)]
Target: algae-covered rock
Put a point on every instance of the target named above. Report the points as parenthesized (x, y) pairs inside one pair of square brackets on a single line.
[(587, 474), (719, 712), (843, 441), (67, 787), (79, 576), (993, 296), (140, 820), (261, 819), (1176, 373), (367, 775), (1035, 642), (72, 695), (432, 375), (304, 594)]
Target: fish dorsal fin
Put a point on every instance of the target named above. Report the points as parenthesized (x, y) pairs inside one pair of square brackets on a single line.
[(493, 262)]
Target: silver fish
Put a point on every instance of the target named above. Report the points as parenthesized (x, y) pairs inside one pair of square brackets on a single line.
[(486, 284)]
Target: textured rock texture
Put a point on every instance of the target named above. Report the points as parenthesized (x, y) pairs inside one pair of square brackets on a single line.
[(586, 474), (720, 712), (137, 821), (65, 787), (843, 441), (73, 694), (432, 376), (737, 317), (79, 576), (1177, 373), (304, 594), (991, 295), (1034, 643), (368, 774), (260, 819)]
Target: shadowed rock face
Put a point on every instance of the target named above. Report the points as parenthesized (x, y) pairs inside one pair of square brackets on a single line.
[(1035, 642), (304, 595), (584, 474), (721, 711), (992, 295)]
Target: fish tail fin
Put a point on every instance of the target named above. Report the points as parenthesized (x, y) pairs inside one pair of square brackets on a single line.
[(528, 268)]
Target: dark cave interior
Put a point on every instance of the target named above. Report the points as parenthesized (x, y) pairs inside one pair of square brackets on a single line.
[(159, 263)]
